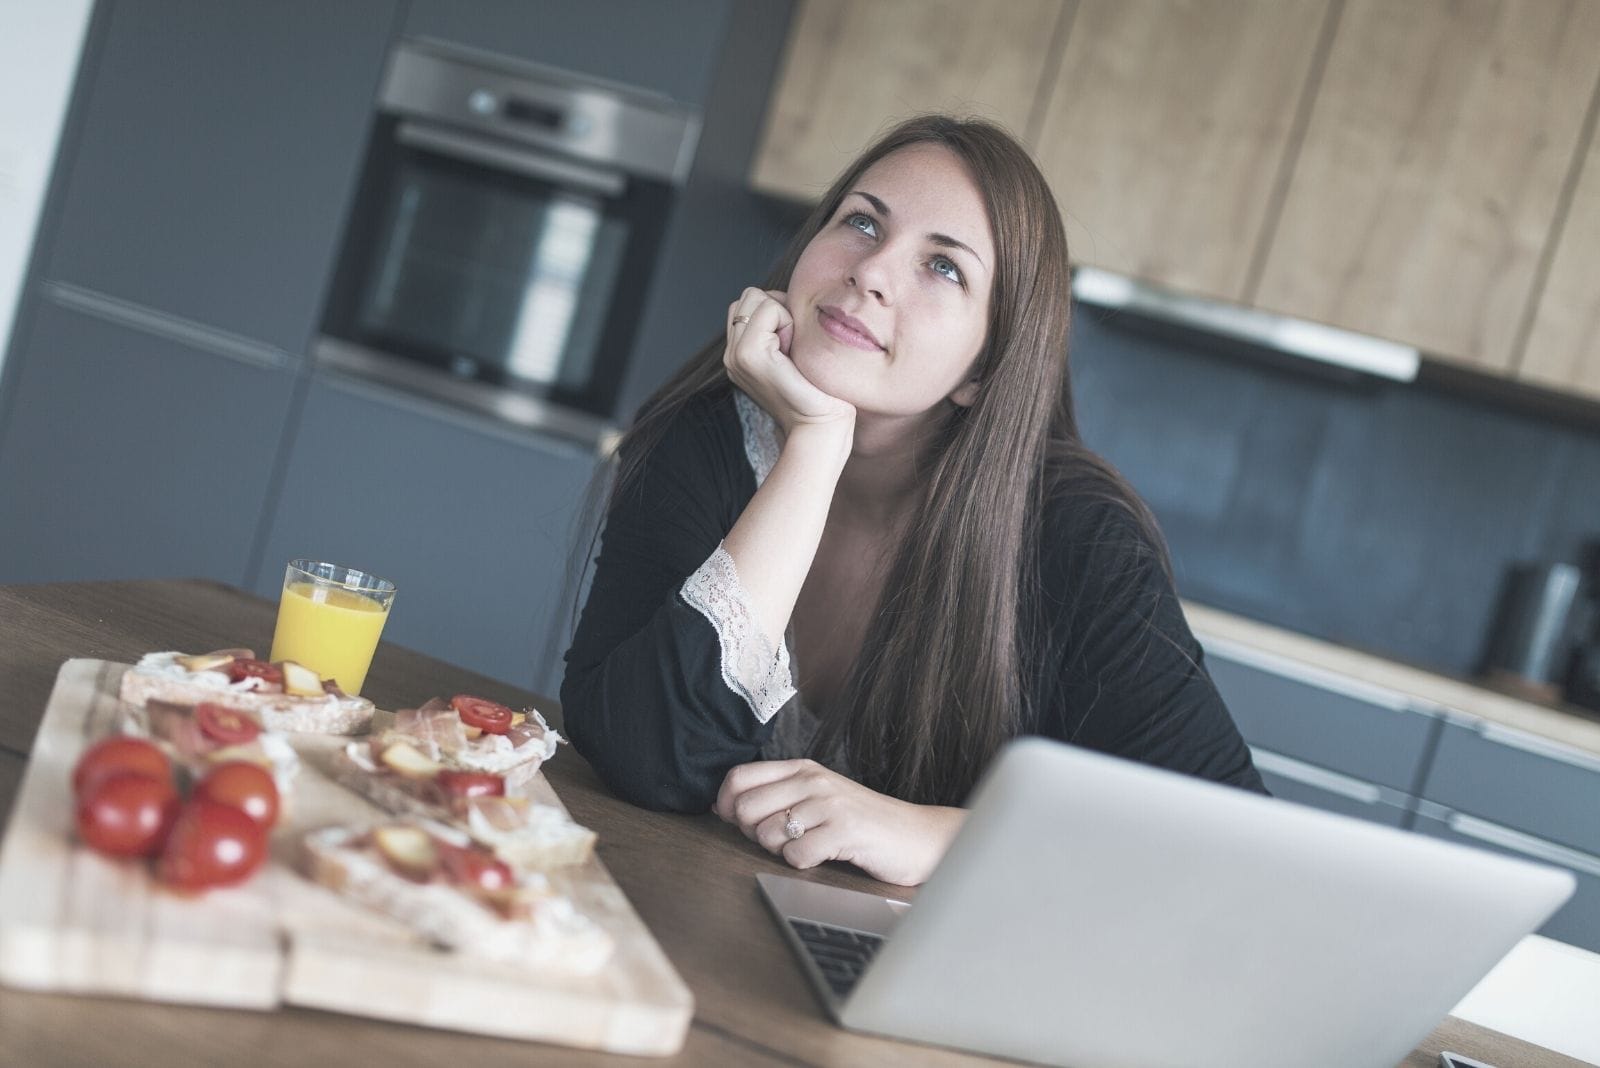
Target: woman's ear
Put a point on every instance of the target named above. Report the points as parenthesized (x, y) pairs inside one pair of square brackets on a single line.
[(965, 393)]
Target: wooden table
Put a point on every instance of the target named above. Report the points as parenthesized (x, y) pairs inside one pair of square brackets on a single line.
[(689, 877)]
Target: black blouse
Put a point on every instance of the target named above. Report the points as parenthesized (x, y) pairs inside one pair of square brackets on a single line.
[(667, 688)]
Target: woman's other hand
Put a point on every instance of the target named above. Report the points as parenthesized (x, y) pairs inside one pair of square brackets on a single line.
[(839, 819), (760, 330)]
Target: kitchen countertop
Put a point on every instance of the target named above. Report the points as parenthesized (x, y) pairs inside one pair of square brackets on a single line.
[(1305, 657)]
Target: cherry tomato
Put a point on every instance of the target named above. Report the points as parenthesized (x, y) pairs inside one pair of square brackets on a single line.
[(211, 844), (243, 669), (245, 786), (228, 726), (120, 754), (464, 784), (127, 814), (476, 869), (483, 714)]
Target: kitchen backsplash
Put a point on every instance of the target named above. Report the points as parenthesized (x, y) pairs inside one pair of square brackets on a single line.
[(1373, 514)]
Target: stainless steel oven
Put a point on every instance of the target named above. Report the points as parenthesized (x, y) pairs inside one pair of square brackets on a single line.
[(503, 234)]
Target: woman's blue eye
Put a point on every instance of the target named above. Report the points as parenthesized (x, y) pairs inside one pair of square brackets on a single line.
[(861, 222), (945, 266)]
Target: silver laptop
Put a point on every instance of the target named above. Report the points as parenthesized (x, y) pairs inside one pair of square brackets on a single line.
[(1097, 913)]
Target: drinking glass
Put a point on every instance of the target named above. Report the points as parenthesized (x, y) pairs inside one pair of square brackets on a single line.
[(329, 619)]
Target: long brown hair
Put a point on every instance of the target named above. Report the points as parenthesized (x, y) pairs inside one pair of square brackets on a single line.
[(941, 681)]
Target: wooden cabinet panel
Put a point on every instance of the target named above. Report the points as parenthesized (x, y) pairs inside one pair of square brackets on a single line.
[(1166, 129), (852, 68), (1563, 351), (1439, 139)]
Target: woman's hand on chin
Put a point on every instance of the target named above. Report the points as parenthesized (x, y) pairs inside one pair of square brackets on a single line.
[(838, 819), (757, 359)]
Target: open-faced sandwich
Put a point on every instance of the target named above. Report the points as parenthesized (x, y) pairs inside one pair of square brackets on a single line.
[(208, 734), (283, 697), (457, 894), (474, 734), (393, 773)]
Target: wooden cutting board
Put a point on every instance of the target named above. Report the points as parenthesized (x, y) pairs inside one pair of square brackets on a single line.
[(74, 922)]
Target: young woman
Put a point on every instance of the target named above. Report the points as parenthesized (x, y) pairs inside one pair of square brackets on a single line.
[(856, 544)]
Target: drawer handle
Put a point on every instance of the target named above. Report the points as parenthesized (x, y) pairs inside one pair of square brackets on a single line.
[(1320, 778), (1526, 844)]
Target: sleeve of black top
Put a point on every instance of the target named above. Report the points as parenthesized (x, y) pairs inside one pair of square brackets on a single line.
[(1132, 681), (643, 697)]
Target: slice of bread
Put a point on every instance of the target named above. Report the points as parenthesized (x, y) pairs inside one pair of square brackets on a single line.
[(159, 677), (554, 936), (437, 730)]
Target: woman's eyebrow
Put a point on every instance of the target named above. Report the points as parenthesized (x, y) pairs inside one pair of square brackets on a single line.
[(942, 240)]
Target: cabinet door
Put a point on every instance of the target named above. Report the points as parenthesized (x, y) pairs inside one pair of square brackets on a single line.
[(1578, 921), (128, 455), (1520, 781), (1431, 171), (217, 148), (1563, 350), (851, 69), (469, 521), (1345, 731), (1167, 128)]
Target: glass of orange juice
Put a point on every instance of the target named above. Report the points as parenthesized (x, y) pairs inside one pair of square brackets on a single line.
[(329, 619)]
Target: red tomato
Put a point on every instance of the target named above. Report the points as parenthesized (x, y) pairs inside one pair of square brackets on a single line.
[(226, 725), (483, 714), (127, 814), (117, 755), (211, 844), (245, 786), (466, 784), (476, 869), (244, 669)]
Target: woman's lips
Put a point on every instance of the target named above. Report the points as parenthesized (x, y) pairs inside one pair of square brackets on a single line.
[(841, 327)]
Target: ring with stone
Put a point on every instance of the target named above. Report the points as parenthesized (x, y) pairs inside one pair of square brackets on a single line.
[(792, 827), (740, 319)]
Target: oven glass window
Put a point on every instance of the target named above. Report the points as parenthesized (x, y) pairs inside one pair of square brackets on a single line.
[(499, 277)]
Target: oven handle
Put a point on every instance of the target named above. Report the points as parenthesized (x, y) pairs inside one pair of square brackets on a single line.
[(533, 164)]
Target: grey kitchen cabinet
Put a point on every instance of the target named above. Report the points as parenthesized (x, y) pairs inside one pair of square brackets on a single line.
[(671, 48), (1520, 781), (216, 147), (1497, 788), (134, 455), (1578, 921), (470, 520), (1359, 732)]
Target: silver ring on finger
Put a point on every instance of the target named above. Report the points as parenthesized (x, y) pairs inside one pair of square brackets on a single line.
[(791, 826), (740, 320)]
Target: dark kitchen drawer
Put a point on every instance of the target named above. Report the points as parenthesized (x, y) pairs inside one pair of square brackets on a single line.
[(1306, 784), (1516, 779), (1348, 732), (1578, 921)]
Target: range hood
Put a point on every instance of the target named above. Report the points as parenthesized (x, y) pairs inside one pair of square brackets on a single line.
[(1261, 331)]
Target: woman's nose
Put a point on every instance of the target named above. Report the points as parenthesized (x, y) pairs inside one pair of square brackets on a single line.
[(873, 274)]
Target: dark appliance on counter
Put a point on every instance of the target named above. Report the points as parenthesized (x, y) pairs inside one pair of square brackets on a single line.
[(505, 228), (1541, 616), (1583, 679)]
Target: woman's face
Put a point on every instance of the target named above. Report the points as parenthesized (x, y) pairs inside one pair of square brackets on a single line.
[(891, 298)]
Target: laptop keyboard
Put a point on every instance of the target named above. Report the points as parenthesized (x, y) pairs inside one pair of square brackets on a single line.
[(839, 953)]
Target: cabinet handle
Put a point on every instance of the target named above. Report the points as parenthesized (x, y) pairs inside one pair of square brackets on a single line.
[(1320, 778), (1278, 333), (1526, 844)]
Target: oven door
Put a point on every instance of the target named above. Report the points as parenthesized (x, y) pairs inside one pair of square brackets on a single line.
[(492, 261)]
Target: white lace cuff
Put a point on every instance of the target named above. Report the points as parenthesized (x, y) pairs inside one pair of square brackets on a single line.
[(750, 667)]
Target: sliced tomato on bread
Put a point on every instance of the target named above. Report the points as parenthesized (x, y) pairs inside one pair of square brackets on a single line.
[(488, 716), (226, 726)]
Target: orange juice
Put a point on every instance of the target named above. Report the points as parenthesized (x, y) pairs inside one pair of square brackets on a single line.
[(332, 631)]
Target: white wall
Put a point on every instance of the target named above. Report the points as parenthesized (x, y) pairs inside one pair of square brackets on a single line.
[(40, 42)]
